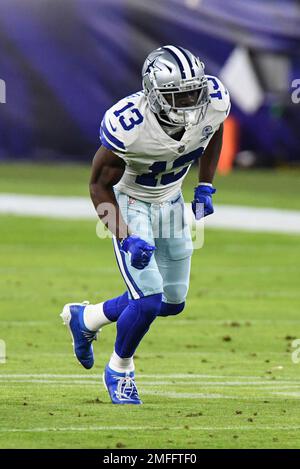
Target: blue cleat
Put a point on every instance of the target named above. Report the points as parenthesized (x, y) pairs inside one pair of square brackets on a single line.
[(121, 387), (72, 316)]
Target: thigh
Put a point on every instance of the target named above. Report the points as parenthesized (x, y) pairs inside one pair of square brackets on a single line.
[(176, 278), (174, 251), (147, 281)]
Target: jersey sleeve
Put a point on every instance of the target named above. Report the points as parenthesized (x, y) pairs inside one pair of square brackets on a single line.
[(219, 97), (111, 135)]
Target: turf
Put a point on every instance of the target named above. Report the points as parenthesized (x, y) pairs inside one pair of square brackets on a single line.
[(277, 188), (220, 375)]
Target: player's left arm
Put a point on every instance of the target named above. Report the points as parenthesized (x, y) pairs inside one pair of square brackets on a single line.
[(209, 160), (202, 204)]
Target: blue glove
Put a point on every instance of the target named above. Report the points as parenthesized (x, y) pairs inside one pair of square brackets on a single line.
[(140, 250), (202, 203)]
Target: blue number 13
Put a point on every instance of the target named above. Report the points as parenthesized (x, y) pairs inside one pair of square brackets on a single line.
[(129, 122)]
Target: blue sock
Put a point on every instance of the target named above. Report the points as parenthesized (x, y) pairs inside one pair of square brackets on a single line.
[(113, 308), (170, 309), (134, 322)]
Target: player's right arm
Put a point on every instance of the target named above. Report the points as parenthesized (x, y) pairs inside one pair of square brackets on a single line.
[(107, 170)]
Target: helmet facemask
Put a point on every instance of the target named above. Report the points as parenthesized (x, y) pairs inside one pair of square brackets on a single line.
[(183, 105)]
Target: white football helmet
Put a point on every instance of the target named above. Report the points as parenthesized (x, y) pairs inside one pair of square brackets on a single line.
[(175, 86)]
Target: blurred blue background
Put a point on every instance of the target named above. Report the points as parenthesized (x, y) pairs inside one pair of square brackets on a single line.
[(65, 62)]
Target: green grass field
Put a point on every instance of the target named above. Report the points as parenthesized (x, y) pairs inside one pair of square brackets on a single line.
[(277, 188), (220, 375)]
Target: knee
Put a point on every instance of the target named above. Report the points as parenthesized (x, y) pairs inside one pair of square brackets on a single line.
[(175, 293), (170, 309), (149, 306)]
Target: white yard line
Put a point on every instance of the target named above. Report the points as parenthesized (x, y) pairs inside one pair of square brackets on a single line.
[(187, 395), (47, 206), (259, 384), (287, 394), (143, 376), (255, 219), (150, 428), (225, 217), (153, 384), (25, 323), (266, 389)]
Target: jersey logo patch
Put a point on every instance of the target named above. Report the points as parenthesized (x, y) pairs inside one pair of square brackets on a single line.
[(208, 130)]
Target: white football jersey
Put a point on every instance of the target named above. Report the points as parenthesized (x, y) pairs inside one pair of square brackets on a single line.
[(156, 164)]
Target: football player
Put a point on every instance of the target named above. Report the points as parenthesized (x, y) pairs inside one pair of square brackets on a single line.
[(149, 140)]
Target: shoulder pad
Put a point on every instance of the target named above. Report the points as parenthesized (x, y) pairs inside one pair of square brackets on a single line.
[(138, 94), (110, 135), (119, 126), (219, 96)]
